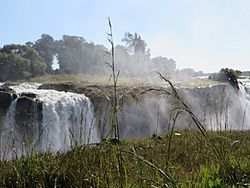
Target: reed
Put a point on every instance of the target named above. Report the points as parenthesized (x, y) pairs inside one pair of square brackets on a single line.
[(113, 121)]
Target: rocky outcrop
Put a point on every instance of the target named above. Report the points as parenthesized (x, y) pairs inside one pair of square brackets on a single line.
[(28, 114), (59, 87), (7, 95), (28, 109)]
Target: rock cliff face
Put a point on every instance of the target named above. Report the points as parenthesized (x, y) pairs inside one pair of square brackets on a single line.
[(28, 116), (218, 107), (27, 105), (143, 111), (7, 95)]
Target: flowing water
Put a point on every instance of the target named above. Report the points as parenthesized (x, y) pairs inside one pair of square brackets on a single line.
[(67, 120), (244, 97)]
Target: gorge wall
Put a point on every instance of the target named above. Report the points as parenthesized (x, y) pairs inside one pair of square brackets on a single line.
[(55, 117)]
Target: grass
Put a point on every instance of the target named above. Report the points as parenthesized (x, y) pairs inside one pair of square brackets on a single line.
[(75, 78), (137, 163), (85, 79), (113, 120)]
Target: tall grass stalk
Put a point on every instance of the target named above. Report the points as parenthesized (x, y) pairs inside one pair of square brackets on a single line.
[(114, 128), (222, 157), (171, 136)]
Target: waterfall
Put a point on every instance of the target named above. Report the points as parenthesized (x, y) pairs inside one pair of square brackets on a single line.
[(245, 103), (7, 133), (66, 121)]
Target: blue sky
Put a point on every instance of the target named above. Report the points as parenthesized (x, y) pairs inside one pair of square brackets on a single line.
[(201, 34)]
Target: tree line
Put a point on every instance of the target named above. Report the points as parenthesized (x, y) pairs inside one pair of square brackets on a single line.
[(75, 54)]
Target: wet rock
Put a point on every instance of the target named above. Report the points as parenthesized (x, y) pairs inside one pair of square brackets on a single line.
[(58, 87), (29, 95), (7, 95), (7, 89), (6, 99), (28, 114)]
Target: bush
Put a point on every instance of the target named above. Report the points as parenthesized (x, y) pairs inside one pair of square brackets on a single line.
[(228, 75)]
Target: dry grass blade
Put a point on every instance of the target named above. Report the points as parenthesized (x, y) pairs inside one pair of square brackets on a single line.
[(220, 156), (184, 106)]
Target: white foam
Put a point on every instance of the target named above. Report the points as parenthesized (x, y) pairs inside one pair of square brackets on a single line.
[(67, 118), (245, 103)]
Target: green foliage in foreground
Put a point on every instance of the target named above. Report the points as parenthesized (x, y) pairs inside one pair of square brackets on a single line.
[(138, 163)]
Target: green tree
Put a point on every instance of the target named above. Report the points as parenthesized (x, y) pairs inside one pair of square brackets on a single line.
[(70, 54), (46, 49), (13, 67), (122, 59), (76, 55), (20, 62), (164, 65), (230, 75), (135, 44)]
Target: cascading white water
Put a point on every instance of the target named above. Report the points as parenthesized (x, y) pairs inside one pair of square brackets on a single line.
[(8, 132), (245, 103), (67, 120)]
